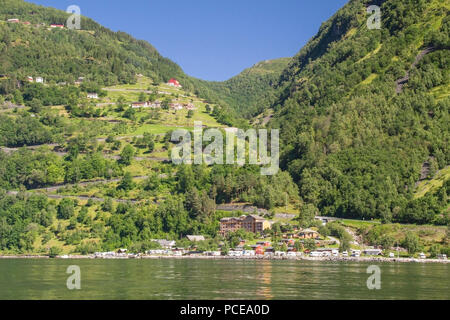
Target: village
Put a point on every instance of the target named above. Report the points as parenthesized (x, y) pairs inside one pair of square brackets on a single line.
[(290, 246)]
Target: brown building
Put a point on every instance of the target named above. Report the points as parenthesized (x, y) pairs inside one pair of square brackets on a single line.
[(308, 234), (250, 223)]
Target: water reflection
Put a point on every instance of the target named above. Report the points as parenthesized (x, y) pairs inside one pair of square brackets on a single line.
[(219, 279)]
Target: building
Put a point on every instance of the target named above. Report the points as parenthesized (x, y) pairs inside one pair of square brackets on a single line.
[(92, 95), (190, 106), (156, 105), (166, 244), (176, 106), (30, 79), (195, 238), (13, 20), (39, 80), (174, 83), (308, 234), (61, 26), (136, 105), (373, 252), (250, 223)]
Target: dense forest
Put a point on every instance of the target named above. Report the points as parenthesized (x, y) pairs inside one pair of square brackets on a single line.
[(353, 138)]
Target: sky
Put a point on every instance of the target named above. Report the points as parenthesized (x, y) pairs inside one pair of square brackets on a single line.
[(212, 39)]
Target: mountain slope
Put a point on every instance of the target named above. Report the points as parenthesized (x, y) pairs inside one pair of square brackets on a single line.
[(250, 92), (96, 53), (354, 142)]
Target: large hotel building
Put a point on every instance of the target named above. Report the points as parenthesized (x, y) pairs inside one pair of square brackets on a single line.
[(250, 223)]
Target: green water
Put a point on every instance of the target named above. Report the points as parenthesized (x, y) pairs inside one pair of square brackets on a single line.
[(219, 279)]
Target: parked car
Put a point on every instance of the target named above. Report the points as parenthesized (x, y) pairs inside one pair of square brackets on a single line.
[(442, 256), (280, 253), (391, 255), (356, 253), (345, 254), (422, 255)]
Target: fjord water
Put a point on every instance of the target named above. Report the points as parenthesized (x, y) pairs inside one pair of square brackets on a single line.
[(219, 279)]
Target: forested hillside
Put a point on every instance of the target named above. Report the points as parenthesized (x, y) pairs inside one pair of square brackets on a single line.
[(364, 114), (249, 93), (61, 55)]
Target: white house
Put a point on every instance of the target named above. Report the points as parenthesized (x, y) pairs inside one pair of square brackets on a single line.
[(166, 244), (136, 105), (39, 80), (92, 95), (176, 106)]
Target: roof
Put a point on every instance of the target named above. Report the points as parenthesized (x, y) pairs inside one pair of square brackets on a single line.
[(195, 238), (308, 231), (166, 243), (257, 218), (254, 216)]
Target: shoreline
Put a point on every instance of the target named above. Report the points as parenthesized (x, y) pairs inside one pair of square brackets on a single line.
[(199, 257)]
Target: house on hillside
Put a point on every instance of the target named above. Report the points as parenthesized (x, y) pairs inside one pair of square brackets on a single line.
[(174, 83), (92, 95), (14, 20), (61, 26), (176, 106), (39, 80), (156, 105), (30, 79), (190, 106), (137, 105)]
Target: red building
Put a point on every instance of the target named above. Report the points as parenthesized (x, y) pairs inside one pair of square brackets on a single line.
[(174, 83)]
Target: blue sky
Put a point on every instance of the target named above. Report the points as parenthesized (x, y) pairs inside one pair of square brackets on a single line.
[(212, 39)]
